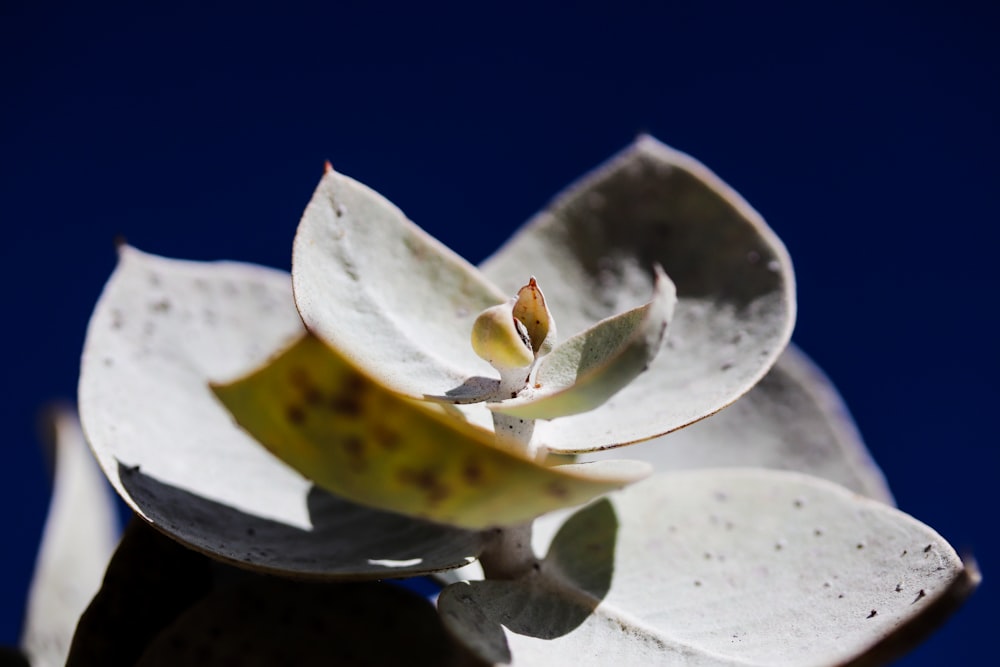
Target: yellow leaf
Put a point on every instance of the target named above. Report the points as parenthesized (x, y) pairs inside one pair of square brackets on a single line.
[(357, 439)]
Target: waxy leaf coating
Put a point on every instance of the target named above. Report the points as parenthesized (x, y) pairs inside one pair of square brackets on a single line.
[(793, 419), (79, 537), (724, 567), (163, 330), (583, 372), (400, 305), (593, 249), (355, 438)]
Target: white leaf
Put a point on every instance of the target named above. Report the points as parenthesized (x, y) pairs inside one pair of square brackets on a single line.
[(793, 419), (381, 291), (162, 330), (733, 567), (79, 537), (593, 249)]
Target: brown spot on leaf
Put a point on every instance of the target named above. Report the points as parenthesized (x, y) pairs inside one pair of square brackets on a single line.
[(354, 446), (472, 472), (348, 400), (299, 377), (386, 438), (354, 383), (349, 405), (295, 414), (426, 480), (557, 490), (312, 396), (873, 614), (161, 306)]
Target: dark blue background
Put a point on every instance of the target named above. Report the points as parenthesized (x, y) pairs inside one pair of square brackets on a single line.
[(866, 134)]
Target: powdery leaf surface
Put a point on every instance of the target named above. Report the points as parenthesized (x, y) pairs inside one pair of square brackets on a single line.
[(583, 372), (740, 567), (385, 293), (353, 437), (593, 249), (78, 539), (793, 419), (162, 330)]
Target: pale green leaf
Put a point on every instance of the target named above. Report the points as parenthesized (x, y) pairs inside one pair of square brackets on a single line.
[(593, 250), (162, 330), (382, 291), (351, 436), (583, 372), (735, 567)]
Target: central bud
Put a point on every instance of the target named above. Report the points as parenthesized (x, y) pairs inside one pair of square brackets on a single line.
[(515, 334), (512, 337)]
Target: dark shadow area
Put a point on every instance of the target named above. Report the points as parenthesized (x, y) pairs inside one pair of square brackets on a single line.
[(473, 390), (667, 215), (346, 541), (552, 601), (162, 604)]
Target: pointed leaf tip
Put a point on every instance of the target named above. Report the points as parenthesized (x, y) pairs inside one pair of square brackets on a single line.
[(588, 369)]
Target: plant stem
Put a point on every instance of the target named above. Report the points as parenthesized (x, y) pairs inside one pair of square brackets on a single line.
[(508, 554)]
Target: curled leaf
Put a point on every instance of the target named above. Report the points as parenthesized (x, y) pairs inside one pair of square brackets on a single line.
[(593, 249), (530, 309), (378, 288), (501, 339), (585, 371), (353, 437), (162, 330)]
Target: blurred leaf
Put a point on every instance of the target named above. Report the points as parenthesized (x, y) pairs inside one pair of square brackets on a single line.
[(260, 621), (79, 536), (150, 580), (353, 437)]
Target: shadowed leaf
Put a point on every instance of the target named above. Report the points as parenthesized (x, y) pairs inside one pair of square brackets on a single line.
[(593, 249), (150, 580), (263, 622), (755, 567), (162, 330), (548, 603)]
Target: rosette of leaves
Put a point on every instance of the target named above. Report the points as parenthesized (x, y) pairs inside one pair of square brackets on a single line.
[(391, 410)]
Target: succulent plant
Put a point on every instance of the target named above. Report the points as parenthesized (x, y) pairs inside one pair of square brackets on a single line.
[(391, 410)]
